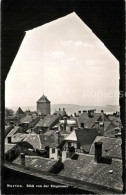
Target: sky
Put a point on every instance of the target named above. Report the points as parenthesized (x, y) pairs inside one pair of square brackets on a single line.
[(65, 61)]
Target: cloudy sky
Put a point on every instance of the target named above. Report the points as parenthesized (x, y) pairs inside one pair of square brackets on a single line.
[(67, 62)]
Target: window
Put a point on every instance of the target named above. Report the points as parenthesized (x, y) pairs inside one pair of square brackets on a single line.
[(71, 129), (53, 150), (69, 144)]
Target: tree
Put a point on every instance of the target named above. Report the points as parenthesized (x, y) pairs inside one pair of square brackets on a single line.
[(8, 112)]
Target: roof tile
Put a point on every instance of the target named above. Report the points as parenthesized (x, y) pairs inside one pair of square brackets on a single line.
[(86, 169), (111, 146)]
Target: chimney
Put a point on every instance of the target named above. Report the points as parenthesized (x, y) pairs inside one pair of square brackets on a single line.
[(59, 109), (9, 140), (59, 137), (71, 150), (65, 123), (22, 159), (97, 125), (65, 155), (47, 148), (82, 125), (91, 113), (98, 151), (40, 132), (117, 114), (63, 109), (102, 115), (101, 129)]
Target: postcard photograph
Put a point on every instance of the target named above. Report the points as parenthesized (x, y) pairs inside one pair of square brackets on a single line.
[(63, 97)]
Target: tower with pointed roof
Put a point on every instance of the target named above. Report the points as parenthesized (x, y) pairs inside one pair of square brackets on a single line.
[(43, 106), (19, 113)]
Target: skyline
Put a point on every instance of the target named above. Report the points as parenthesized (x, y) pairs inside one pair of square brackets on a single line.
[(67, 67)]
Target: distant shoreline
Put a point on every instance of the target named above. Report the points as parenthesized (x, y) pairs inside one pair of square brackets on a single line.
[(72, 108)]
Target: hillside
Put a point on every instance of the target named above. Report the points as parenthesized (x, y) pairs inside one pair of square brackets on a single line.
[(72, 108)]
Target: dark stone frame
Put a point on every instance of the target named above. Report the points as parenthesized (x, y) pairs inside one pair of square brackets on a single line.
[(19, 16)]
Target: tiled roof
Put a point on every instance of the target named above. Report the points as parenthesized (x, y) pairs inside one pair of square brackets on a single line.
[(105, 117), (110, 130), (106, 125), (50, 138), (37, 162), (116, 121), (88, 122), (111, 146), (9, 147), (43, 99), (15, 130), (34, 140), (110, 133), (47, 121), (12, 118), (60, 112), (19, 111), (111, 117), (28, 119), (84, 137), (86, 169), (8, 129), (18, 137)]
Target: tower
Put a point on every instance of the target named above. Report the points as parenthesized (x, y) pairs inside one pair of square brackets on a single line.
[(19, 113), (43, 106)]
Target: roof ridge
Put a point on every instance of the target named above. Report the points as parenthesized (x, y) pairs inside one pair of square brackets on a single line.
[(19, 111), (43, 98)]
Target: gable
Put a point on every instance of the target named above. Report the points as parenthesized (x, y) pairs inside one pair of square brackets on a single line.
[(71, 137)]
